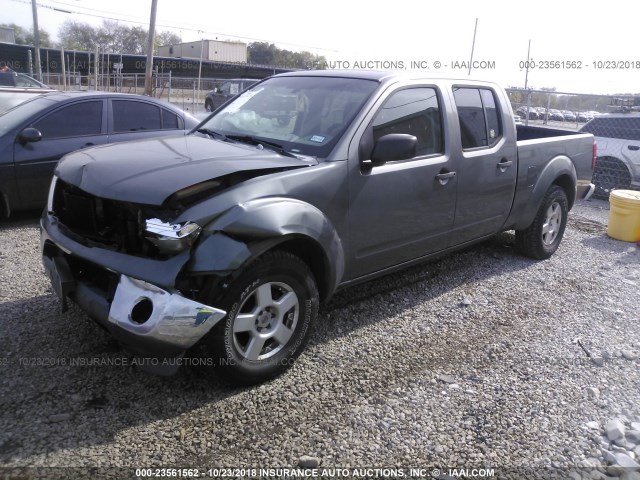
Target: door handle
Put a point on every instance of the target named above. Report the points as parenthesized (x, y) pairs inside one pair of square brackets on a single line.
[(444, 178), (633, 147), (504, 164)]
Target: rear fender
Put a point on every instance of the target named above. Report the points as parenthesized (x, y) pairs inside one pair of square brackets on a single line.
[(560, 171)]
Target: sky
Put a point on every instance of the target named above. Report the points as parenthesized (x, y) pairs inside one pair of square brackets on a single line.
[(575, 47)]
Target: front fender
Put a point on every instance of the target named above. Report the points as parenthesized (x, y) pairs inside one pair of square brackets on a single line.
[(559, 170), (249, 229)]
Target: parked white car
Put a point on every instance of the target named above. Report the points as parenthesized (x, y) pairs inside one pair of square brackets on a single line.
[(618, 162)]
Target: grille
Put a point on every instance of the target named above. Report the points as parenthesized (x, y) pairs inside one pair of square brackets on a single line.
[(114, 225)]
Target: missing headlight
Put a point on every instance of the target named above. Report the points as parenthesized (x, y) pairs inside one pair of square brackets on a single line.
[(171, 237)]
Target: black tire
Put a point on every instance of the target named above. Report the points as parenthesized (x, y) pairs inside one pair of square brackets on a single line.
[(251, 352), (610, 173), (542, 238), (208, 105)]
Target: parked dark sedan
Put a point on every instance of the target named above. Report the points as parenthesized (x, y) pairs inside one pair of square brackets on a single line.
[(9, 78), (37, 133), (16, 88), (556, 115), (532, 113)]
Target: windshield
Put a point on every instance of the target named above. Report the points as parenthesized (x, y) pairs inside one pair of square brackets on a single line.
[(22, 112), (306, 115), (626, 128)]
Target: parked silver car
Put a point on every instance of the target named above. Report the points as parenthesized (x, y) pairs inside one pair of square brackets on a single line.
[(618, 163)]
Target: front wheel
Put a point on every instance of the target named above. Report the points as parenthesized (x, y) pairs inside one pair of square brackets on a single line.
[(208, 105), (271, 305), (542, 238)]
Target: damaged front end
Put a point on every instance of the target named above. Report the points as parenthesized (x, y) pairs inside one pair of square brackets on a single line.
[(120, 263)]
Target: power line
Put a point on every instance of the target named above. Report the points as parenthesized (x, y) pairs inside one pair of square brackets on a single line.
[(173, 27)]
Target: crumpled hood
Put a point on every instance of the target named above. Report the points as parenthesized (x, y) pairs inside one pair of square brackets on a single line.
[(149, 171)]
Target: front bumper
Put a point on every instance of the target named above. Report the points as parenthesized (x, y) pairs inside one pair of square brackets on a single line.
[(149, 312), (154, 323)]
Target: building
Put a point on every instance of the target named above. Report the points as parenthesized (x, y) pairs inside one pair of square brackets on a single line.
[(212, 50), (7, 35)]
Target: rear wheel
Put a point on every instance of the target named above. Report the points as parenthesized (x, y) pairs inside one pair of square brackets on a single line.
[(271, 305), (610, 173), (542, 238)]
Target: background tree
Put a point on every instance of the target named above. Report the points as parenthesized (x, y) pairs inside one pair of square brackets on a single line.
[(261, 53), (134, 41), (265, 53), (166, 38), (111, 37), (78, 36), (25, 36)]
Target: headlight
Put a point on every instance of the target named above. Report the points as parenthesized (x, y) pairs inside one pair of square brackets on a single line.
[(52, 190), (171, 237)]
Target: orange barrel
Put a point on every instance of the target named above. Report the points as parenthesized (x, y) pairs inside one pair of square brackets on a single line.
[(624, 215)]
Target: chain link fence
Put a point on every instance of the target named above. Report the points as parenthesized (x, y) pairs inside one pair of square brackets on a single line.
[(558, 109), (186, 93), (611, 119)]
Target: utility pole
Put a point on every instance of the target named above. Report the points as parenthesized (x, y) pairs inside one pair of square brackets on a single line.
[(148, 86), (200, 67), (36, 36)]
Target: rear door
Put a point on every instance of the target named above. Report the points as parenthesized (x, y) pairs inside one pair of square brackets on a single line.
[(74, 126), (487, 165), (404, 209)]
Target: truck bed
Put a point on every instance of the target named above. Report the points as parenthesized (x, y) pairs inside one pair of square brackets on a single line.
[(538, 147), (524, 132)]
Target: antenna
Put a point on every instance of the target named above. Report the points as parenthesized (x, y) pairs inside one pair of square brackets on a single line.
[(473, 45), (526, 75)]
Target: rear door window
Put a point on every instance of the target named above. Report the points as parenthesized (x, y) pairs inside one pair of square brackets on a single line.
[(478, 116), (169, 120), (132, 116)]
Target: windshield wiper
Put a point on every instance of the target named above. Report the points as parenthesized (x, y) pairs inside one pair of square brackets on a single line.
[(213, 133), (276, 147)]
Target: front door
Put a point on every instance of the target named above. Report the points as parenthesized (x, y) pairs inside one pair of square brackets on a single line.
[(64, 130), (404, 209)]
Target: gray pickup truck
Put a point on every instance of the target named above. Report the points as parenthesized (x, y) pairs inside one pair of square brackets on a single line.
[(229, 89), (219, 246)]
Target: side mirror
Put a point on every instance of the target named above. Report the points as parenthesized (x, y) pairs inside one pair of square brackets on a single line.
[(30, 135), (392, 147)]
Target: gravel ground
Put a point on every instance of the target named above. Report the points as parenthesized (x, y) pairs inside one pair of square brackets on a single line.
[(480, 359)]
